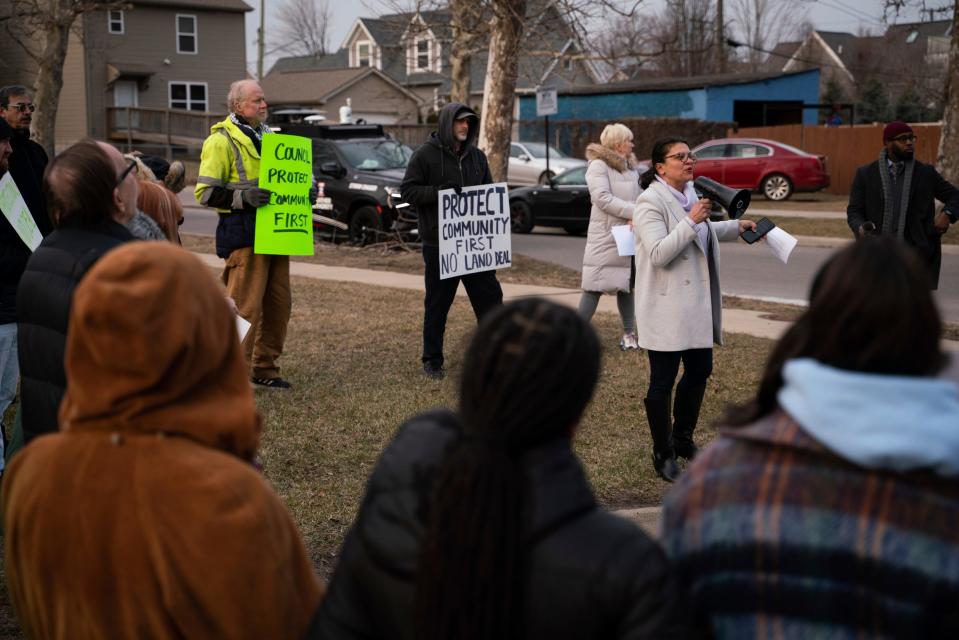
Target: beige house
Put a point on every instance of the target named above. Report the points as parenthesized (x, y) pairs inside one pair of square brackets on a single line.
[(373, 96), (161, 58)]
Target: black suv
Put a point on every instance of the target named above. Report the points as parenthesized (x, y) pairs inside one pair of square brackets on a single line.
[(358, 169)]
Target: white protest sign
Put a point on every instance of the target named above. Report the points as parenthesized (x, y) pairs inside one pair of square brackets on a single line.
[(474, 230), (15, 210)]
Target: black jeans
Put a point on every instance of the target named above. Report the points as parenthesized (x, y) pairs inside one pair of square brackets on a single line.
[(482, 288), (664, 365)]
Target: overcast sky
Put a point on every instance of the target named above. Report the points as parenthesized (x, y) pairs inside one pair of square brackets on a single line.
[(827, 15)]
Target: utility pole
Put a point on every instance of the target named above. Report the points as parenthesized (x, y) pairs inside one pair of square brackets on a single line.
[(720, 38), (259, 41)]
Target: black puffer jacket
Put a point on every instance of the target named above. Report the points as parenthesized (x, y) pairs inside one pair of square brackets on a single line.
[(27, 163), (593, 574), (435, 164), (46, 293)]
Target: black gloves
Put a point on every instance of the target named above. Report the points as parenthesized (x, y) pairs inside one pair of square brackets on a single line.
[(458, 188), (256, 197)]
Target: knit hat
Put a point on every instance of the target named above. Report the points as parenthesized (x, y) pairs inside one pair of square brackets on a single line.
[(6, 131), (894, 129)]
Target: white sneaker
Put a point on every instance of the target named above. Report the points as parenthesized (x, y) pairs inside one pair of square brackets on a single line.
[(628, 341)]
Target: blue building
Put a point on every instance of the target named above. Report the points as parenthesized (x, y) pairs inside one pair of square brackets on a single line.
[(749, 100)]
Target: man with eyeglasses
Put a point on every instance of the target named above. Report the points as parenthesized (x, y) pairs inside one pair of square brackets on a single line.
[(26, 161), (896, 195), (29, 160)]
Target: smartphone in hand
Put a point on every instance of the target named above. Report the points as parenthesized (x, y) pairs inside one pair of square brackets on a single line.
[(763, 226)]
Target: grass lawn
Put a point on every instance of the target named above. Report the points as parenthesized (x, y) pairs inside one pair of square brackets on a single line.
[(832, 228), (353, 356), (819, 201)]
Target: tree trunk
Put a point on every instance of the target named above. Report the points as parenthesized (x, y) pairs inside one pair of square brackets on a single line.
[(500, 91), (948, 161), (50, 73), (463, 28)]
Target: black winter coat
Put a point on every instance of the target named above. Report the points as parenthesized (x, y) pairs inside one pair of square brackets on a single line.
[(27, 163), (435, 164), (592, 574), (46, 294), (866, 204)]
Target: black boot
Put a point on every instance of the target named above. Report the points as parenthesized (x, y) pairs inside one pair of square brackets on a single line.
[(664, 460), (685, 417)]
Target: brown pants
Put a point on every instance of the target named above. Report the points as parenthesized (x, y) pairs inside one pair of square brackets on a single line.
[(260, 286)]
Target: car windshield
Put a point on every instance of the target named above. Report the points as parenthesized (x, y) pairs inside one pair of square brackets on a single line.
[(538, 149), (573, 176), (376, 155)]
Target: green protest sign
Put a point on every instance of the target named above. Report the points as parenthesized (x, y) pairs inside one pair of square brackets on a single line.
[(285, 226)]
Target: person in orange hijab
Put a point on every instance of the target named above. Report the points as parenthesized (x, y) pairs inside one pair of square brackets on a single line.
[(144, 517)]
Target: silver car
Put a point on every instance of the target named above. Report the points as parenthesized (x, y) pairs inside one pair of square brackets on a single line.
[(527, 163)]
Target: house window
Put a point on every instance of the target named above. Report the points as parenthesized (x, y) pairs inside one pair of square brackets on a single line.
[(186, 40), (568, 64), (363, 57), (422, 55), (115, 22), (188, 95)]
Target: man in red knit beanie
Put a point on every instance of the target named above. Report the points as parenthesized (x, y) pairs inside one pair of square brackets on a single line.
[(896, 195)]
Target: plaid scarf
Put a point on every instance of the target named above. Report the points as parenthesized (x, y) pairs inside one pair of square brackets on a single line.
[(255, 134), (888, 207)]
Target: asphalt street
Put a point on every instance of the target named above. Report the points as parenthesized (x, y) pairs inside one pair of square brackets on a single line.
[(747, 270)]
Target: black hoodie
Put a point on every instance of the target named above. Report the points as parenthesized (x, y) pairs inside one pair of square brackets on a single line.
[(434, 164)]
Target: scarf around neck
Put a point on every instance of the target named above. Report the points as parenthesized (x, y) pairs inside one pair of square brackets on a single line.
[(888, 192), (255, 134)]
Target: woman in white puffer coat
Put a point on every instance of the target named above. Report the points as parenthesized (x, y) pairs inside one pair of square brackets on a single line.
[(613, 183)]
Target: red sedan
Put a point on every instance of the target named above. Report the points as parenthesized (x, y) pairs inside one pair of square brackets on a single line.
[(773, 168)]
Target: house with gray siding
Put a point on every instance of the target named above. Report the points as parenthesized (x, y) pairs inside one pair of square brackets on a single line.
[(413, 50), (167, 59)]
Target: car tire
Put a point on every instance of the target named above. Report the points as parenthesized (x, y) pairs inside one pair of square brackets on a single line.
[(521, 217), (776, 187), (545, 177), (575, 230), (363, 226)]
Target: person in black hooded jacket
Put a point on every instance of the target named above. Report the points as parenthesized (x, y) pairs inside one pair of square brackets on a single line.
[(449, 159), (91, 191), (481, 523)]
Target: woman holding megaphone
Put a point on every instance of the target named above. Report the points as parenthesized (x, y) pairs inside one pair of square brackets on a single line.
[(678, 297)]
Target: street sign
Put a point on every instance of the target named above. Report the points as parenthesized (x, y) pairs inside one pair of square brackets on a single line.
[(547, 104)]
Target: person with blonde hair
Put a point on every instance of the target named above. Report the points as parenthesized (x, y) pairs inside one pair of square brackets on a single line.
[(613, 184)]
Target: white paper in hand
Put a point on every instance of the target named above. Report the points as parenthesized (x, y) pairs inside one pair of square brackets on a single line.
[(242, 327), (625, 240), (780, 243)]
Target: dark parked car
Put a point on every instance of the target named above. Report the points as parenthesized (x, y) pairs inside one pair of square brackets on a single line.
[(775, 169), (564, 202), (358, 169)]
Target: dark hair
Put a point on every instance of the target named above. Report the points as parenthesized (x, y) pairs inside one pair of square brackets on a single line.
[(660, 148), (870, 310), (12, 90), (528, 375), (78, 185)]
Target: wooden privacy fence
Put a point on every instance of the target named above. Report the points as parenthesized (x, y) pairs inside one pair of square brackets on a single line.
[(846, 148)]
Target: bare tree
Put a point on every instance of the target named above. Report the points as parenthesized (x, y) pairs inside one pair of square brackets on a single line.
[(304, 27), (466, 22), (948, 161), (42, 28), (762, 24), (507, 27)]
